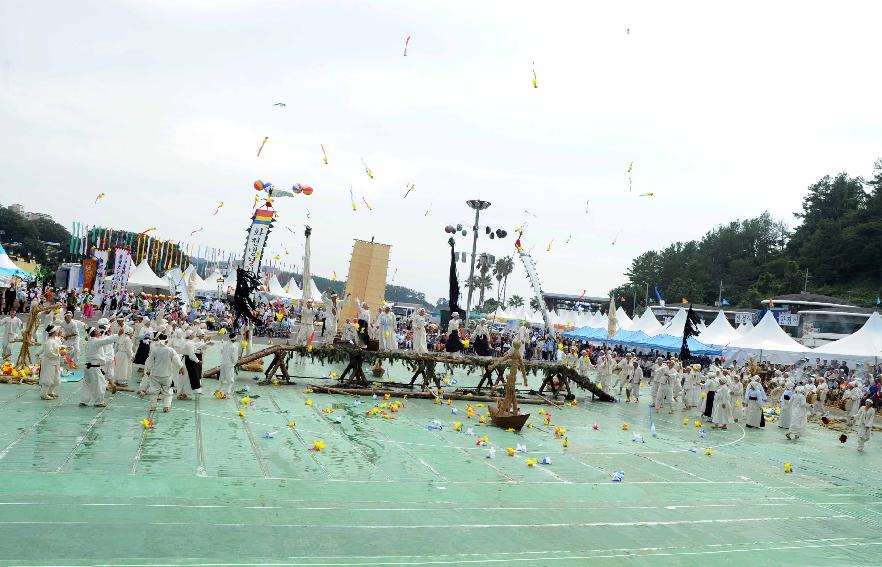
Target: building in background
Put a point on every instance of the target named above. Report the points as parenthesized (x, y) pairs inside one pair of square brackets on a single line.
[(814, 319), (20, 210)]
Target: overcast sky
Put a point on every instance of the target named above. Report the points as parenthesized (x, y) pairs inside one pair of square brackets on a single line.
[(725, 109)]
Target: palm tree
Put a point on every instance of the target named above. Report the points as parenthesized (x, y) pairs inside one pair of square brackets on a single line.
[(503, 268), (515, 301), (534, 304), (485, 264), (480, 283)]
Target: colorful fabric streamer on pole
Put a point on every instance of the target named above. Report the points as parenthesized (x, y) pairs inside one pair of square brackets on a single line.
[(352, 199), (99, 197)]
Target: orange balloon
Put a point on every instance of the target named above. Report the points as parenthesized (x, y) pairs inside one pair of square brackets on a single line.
[(307, 190), (258, 185)]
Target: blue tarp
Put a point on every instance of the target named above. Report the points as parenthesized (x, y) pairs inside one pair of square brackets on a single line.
[(639, 339)]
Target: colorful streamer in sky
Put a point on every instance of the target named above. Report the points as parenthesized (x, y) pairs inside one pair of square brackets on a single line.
[(395, 273), (146, 230), (584, 291), (333, 276), (366, 204), (410, 187), (99, 197), (548, 249), (428, 210), (406, 43), (535, 81), (646, 195), (262, 144), (570, 237), (367, 169), (289, 230), (200, 229), (219, 207), (616, 237), (352, 199), (324, 154), (630, 169)]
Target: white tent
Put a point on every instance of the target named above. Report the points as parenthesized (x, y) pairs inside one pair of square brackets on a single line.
[(624, 322), (8, 268), (199, 282), (292, 289), (744, 328), (719, 333), (767, 341), (864, 345), (210, 283), (276, 289), (142, 277), (676, 324), (647, 323)]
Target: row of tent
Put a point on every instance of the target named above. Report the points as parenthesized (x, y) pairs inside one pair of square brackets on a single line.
[(767, 341), (143, 278)]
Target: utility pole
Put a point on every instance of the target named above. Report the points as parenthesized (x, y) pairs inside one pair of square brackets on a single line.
[(646, 298), (479, 206), (720, 300), (805, 286)]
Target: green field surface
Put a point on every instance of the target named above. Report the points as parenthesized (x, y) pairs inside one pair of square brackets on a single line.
[(206, 487)]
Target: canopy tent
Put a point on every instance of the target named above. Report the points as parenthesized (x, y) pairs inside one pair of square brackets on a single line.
[(864, 345), (647, 323), (625, 322), (744, 328), (676, 324), (720, 332), (640, 340), (175, 274), (767, 341), (197, 281), (8, 268), (143, 277), (275, 288), (210, 284), (292, 289)]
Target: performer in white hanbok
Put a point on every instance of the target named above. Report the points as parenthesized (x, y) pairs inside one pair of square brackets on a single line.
[(307, 322), (364, 323), (50, 363), (161, 367), (418, 321), (863, 423), (94, 383), (229, 358), (388, 336), (635, 375), (720, 415), (798, 415), (754, 397), (11, 327), (691, 388), (70, 333), (125, 353), (333, 308)]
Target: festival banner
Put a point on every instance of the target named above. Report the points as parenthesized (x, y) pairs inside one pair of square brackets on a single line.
[(90, 265), (261, 225), (100, 288), (122, 267)]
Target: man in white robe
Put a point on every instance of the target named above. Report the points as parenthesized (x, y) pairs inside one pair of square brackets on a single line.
[(388, 337), (798, 414), (863, 423), (720, 415), (635, 375), (665, 389), (229, 358), (11, 327), (754, 397), (50, 363), (70, 334), (307, 322), (124, 353), (161, 367), (418, 322)]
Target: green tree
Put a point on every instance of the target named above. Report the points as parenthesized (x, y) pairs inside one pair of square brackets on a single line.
[(515, 301), (534, 304), (501, 270)]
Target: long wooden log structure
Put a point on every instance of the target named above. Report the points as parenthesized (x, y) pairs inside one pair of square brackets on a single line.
[(356, 358)]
